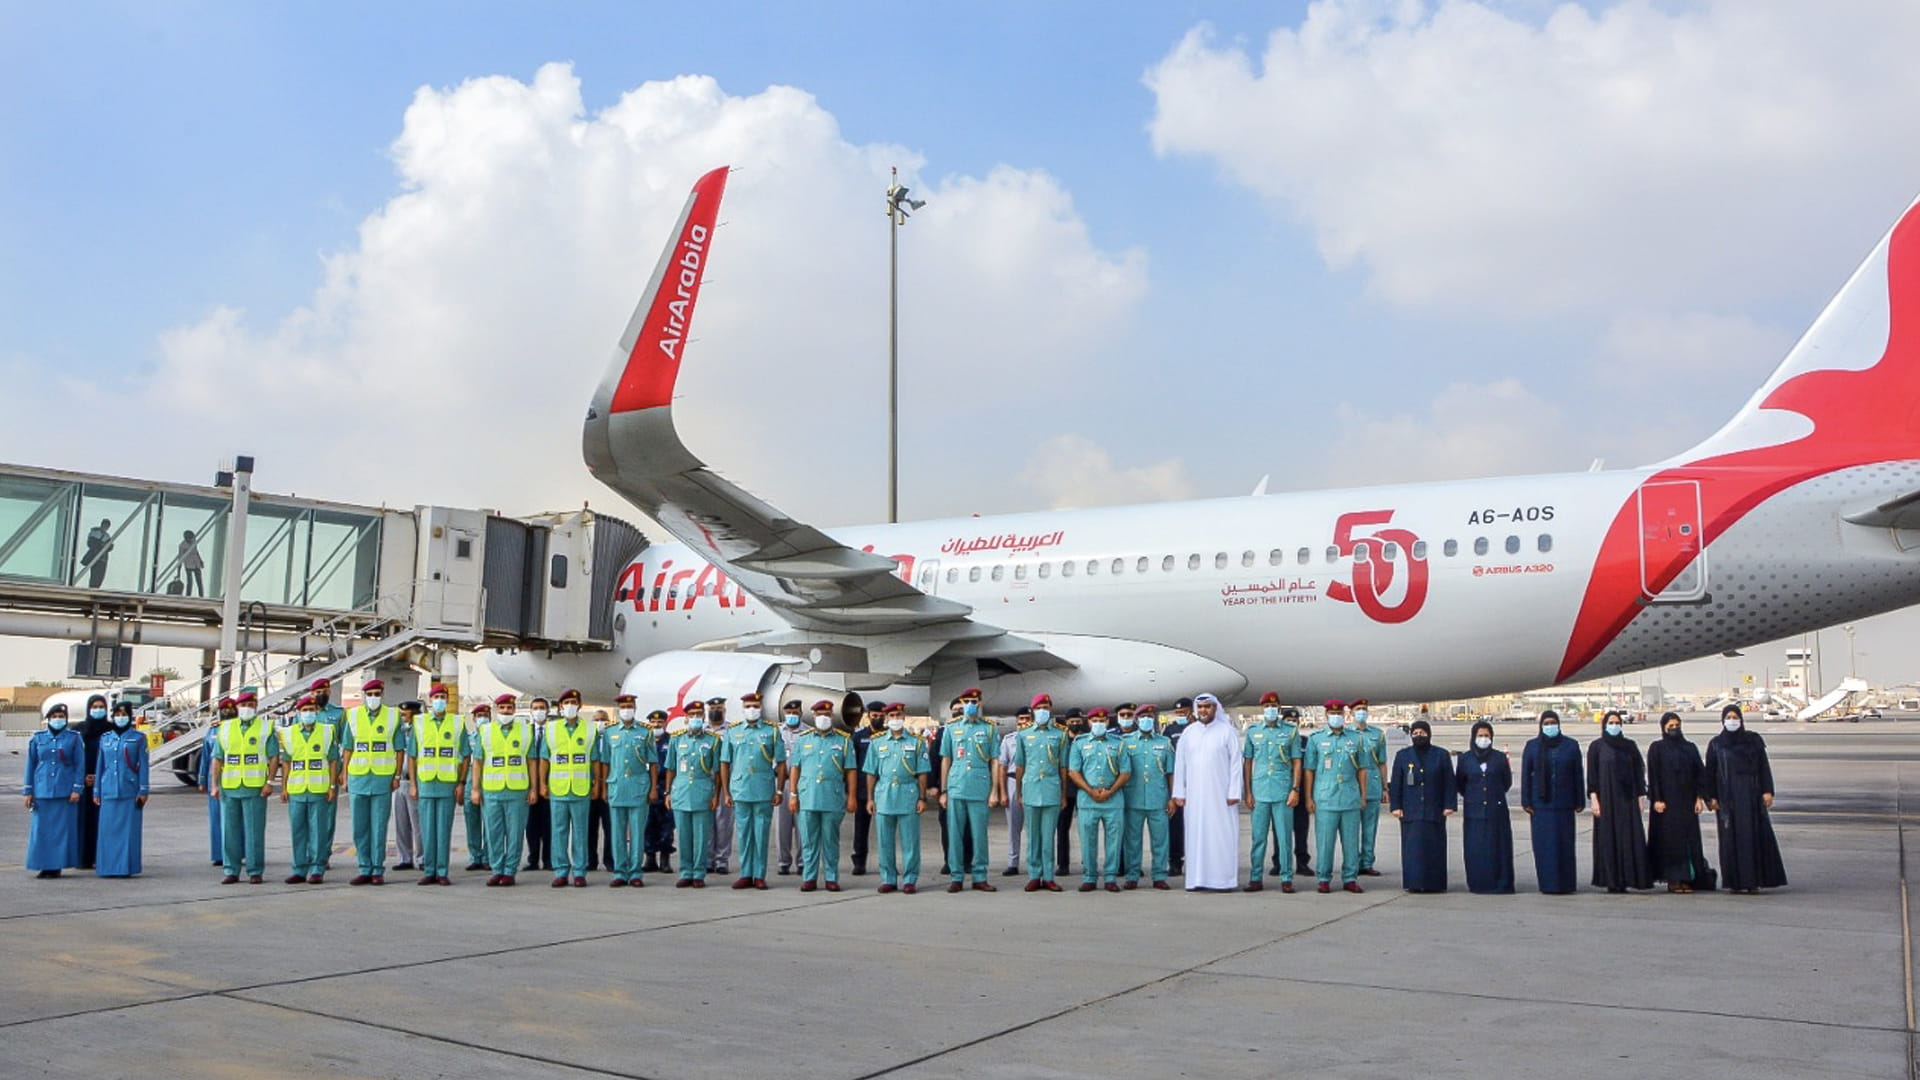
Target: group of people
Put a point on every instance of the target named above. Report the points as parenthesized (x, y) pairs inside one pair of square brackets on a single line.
[(1152, 800)]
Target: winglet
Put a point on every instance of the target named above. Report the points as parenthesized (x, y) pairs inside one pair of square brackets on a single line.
[(656, 336)]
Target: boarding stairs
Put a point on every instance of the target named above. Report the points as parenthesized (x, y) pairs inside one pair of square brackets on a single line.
[(1832, 699)]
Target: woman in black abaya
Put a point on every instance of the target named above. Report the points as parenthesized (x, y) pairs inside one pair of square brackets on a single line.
[(1616, 779), (1674, 849), (1739, 790)]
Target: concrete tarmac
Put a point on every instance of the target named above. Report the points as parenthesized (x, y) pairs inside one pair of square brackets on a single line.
[(174, 975)]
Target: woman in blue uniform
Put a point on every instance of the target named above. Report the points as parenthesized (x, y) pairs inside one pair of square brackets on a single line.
[(210, 749), (120, 795), (1484, 776), (1420, 791), (56, 775), (1552, 791)]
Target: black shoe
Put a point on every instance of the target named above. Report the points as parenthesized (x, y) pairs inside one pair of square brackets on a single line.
[(531, 865), (786, 871), (649, 866), (1303, 870), (859, 869), (476, 866), (45, 874), (403, 866), (1010, 871)]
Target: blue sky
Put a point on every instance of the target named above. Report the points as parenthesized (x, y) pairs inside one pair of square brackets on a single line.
[(1360, 242)]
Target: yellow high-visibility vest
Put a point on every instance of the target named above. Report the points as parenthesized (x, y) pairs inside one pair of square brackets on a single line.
[(372, 739), (307, 765), (504, 754), (243, 752), (570, 769), (436, 757)]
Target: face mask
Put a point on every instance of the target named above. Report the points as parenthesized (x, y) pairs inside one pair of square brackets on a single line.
[(1097, 728), (1271, 714), (569, 711), (1673, 733), (896, 723), (791, 719), (56, 723), (247, 714), (1731, 723), (438, 706), (121, 722), (1484, 742), (1146, 725), (1551, 731), (96, 714), (1360, 717), (1421, 741), (970, 709), (1613, 729), (753, 713), (307, 719), (1335, 723), (696, 723), (373, 703), (1127, 723), (823, 722), (1043, 717), (627, 715), (539, 715)]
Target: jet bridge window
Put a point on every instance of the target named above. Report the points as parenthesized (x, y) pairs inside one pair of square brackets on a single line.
[(1479, 545), (1513, 545), (1545, 543)]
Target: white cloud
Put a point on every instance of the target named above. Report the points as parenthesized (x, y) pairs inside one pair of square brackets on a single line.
[(1467, 430), (1074, 471), (1643, 350), (1474, 156), (447, 355)]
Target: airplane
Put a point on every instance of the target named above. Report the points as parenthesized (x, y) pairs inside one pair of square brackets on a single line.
[(1802, 512)]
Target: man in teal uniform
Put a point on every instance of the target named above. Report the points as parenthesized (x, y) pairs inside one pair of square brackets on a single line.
[(896, 794), (822, 791), (241, 776), (370, 754), (1149, 795), (505, 791), (630, 770), (1099, 764), (693, 757), (971, 783), (753, 769), (1336, 766), (474, 817), (309, 783), (569, 750), (1040, 753), (334, 716), (440, 753), (1374, 741), (1273, 773)]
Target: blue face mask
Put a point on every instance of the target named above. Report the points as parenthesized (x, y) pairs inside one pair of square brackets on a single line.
[(696, 723), (1336, 722), (1097, 728), (1613, 729), (1043, 717), (1360, 717), (1146, 725), (437, 705), (96, 713), (970, 709), (791, 719), (1550, 730), (1126, 723), (121, 722), (56, 723), (1271, 712)]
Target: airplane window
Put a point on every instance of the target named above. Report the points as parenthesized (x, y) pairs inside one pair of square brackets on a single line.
[(953, 575), (1303, 556), (1193, 562), (1450, 548), (1276, 557), (1390, 551), (999, 572), (973, 573), (1045, 569), (1333, 554), (1479, 545), (1139, 567), (1545, 543), (1120, 566), (1513, 545), (1166, 564), (1360, 553), (1066, 569), (1220, 561), (1020, 572), (1419, 549), (1246, 559), (926, 579)]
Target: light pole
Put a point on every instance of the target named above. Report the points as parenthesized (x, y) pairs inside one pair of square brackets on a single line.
[(1852, 669), (898, 209)]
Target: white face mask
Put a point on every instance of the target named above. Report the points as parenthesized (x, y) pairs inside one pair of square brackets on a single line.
[(1127, 723), (569, 710), (247, 713), (626, 715), (1731, 723), (1483, 742), (752, 712), (373, 702), (896, 723), (1097, 728), (538, 715), (823, 722)]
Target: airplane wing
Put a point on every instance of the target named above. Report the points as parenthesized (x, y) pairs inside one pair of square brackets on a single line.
[(813, 581)]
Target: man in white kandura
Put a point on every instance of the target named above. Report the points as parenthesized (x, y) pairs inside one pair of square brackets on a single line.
[(1207, 778)]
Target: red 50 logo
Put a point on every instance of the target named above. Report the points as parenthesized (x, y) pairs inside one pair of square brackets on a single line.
[(1373, 578)]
